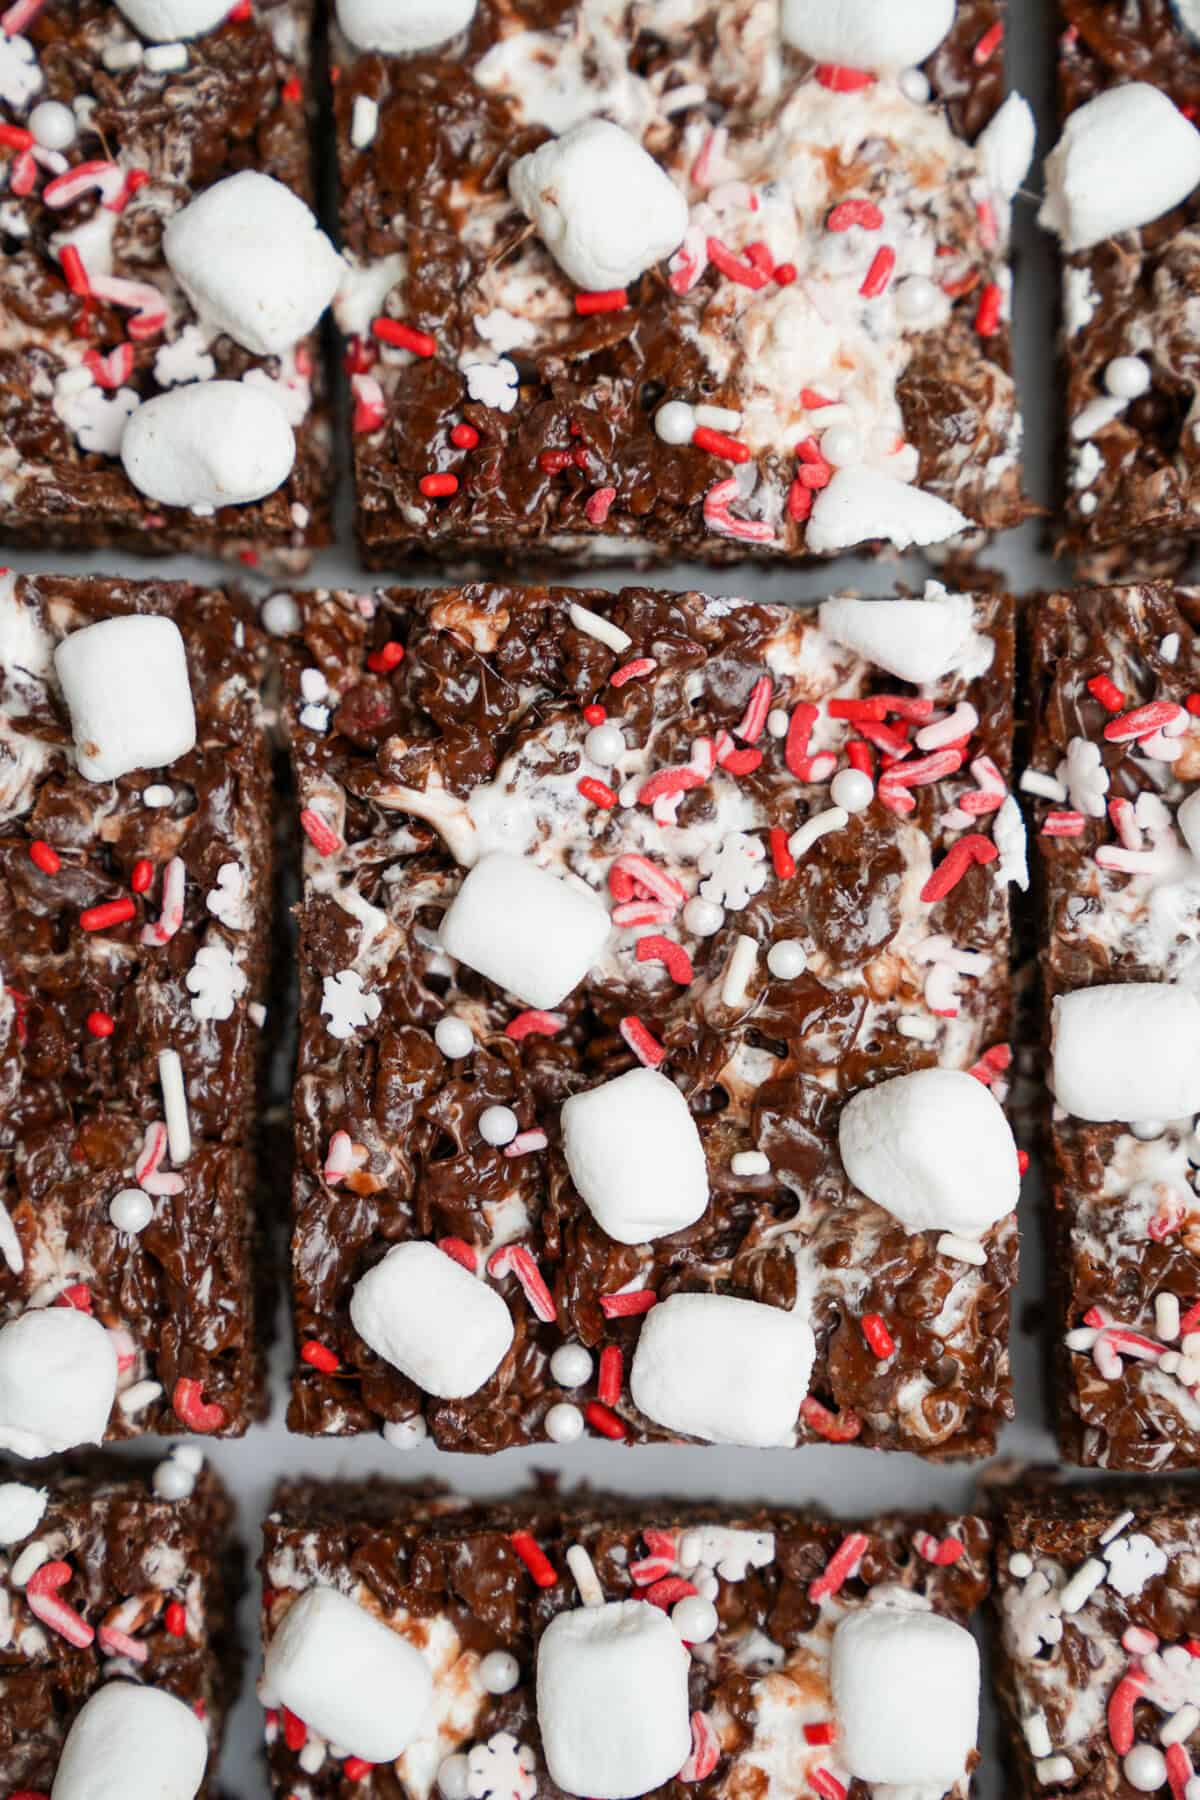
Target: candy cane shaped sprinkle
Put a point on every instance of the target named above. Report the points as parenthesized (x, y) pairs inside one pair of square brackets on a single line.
[(533, 1023), (637, 670), (673, 957), (651, 1569), (754, 719), (18, 17), (720, 520), (190, 1407), (836, 1428), (147, 305), (840, 1568), (459, 1251), (593, 625), (923, 771), (113, 370), (666, 1592), (705, 1753), (41, 1593), (627, 1306), (879, 1339), (175, 1107), (993, 789), (942, 1552), (1138, 1641), (1104, 689), (370, 405), (104, 177), (656, 881), (833, 818), (599, 505), (526, 1143), (642, 912), (642, 1042), (992, 1064), (320, 834), (738, 762), (739, 972), (827, 1785), (514, 1259), (1179, 1771), (958, 724), (75, 273), (1063, 824), (863, 213), (1121, 1703), (601, 1418), (669, 782), (1143, 721), (586, 1579), (747, 273), (970, 851), (170, 919), (114, 1642), (154, 1149)]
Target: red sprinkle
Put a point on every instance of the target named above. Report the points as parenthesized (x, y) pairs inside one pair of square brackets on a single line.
[(110, 912), (73, 269), (987, 313), (1063, 824), (673, 956), (632, 671), (295, 1731), (746, 274), (464, 437), (141, 877), (854, 212), (1179, 1770), (666, 1592), (1022, 1161), (598, 792), (786, 273), (190, 1407), (879, 1338), (879, 273), (599, 505), (858, 755), (78, 1296), (972, 849), (607, 301), (988, 44), (941, 1551), (534, 1023), (799, 502), (291, 91), (15, 137), (1121, 1703), (612, 1371), (41, 1594), (356, 1768), (628, 1306), (320, 1357), (820, 1734), (836, 1428), (101, 1024), (540, 1567), (438, 487), (840, 1567), (1106, 691), (642, 1042), (389, 656), (320, 834), (403, 337), (841, 80), (781, 856), (604, 1420), (175, 1619), (827, 1785), (459, 1251), (43, 856), (595, 714), (718, 443)]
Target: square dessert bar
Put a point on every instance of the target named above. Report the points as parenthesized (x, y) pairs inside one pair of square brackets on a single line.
[(135, 896), (606, 1647), (118, 1585), (160, 379), (611, 905), (1129, 76), (1098, 1664), (1114, 769), (795, 341)]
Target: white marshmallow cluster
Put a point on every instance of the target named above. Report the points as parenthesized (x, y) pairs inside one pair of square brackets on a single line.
[(253, 261), (1129, 1052), (209, 444), (423, 1313), (524, 929), (635, 1156), (398, 27), (905, 1688), (603, 207), (125, 682), (1123, 160), (353, 1680), (859, 505), (726, 1370), (867, 34), (136, 1742), (169, 21), (612, 1700), (915, 640), (934, 1149), (58, 1379)]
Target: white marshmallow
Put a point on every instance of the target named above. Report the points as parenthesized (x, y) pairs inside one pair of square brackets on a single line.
[(915, 640), (353, 1680), (906, 1693), (167, 21), (125, 682), (524, 929), (21, 1511), (725, 1370), (400, 26), (1124, 159), (211, 443), (1006, 145), (612, 1700), (635, 1155), (132, 1743), (859, 505), (934, 1149), (58, 1377), (1188, 820), (253, 261), (867, 34), (605, 210), (1127, 1052), (423, 1313)]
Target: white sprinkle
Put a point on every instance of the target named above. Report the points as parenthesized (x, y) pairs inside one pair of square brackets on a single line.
[(604, 745), (586, 1578), (1127, 378), (10, 1243), (454, 1037), (257, 1013), (961, 1249), (603, 630), (852, 789), (750, 1162), (179, 1133), (498, 1125), (137, 1398), (499, 1672), (164, 59), (454, 1778), (53, 125), (912, 1025), (1054, 1768), (313, 685), (1169, 648), (188, 1457), (1180, 1725), (1037, 1733), (173, 1481), (738, 971), (1190, 1343), (914, 85), (777, 722), (1166, 1317), (564, 1423), (1082, 1585), (158, 794), (364, 121), (834, 818), (1020, 1565), (703, 917), (719, 418), (571, 1365), (131, 1210), (1034, 782), (1116, 1528), (405, 1434), (280, 615), (117, 57), (675, 422), (314, 718), (29, 1562), (312, 1756), (787, 959)]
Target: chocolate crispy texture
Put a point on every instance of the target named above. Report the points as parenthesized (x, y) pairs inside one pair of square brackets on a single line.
[(76, 1105), (165, 1572), (486, 708), (244, 100), (427, 223), (1138, 477), (445, 1572), (1108, 1188)]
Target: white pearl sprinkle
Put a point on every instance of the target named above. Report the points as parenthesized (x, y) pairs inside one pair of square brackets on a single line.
[(916, 298), (1127, 378), (840, 445), (604, 745), (405, 1434), (158, 794), (1145, 1768), (1020, 1565), (571, 1365), (280, 615), (750, 1162), (914, 85), (787, 959), (1146, 1130), (675, 422), (131, 1210), (173, 1482), (498, 1125), (454, 1037), (499, 1672), (53, 125), (778, 722), (454, 1778), (703, 917), (852, 789), (695, 1619), (564, 1423)]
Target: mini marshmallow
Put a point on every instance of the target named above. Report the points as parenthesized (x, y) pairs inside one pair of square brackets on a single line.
[(125, 682), (1188, 820), (728, 1371), (210, 443), (859, 506), (934, 1149), (905, 1689), (867, 34), (612, 1700), (253, 261), (58, 1377), (423, 1313), (132, 1743), (398, 27), (167, 21), (524, 929), (635, 1155), (915, 640), (1124, 159), (21, 1511), (605, 210), (1006, 145), (1127, 1052), (353, 1680)]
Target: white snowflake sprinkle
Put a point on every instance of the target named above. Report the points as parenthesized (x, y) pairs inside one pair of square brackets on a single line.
[(1132, 1562), (495, 384), (229, 900), (20, 76), (1172, 1678), (1085, 777), (346, 1005), (501, 1769), (215, 981), (187, 359), (734, 873), (96, 419), (1033, 1615)]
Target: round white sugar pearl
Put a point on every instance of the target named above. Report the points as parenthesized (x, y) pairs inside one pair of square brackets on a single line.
[(454, 1778), (1147, 1129), (405, 1434), (571, 1365), (158, 794), (675, 422), (172, 1481), (605, 745), (916, 298), (131, 1210), (498, 1125), (1127, 378), (1020, 1565), (695, 1619), (454, 1037), (778, 722), (188, 1457), (840, 445), (853, 789), (53, 125), (1145, 1768), (703, 917), (750, 1162), (280, 614), (564, 1424), (499, 1672), (914, 85), (787, 959)]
